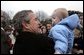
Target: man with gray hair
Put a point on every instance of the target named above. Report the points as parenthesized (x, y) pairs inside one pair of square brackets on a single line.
[(29, 40)]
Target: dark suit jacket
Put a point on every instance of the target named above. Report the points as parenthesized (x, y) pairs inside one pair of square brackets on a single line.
[(30, 43)]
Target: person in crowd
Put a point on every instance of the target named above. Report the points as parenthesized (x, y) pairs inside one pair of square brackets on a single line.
[(48, 22), (75, 45), (44, 30), (5, 39), (62, 32), (9, 31), (81, 19), (29, 40), (78, 42), (78, 34)]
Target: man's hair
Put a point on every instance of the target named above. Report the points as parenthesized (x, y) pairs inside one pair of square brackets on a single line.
[(6, 19), (63, 12), (19, 17)]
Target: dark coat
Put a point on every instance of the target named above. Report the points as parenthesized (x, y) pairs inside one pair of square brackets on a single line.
[(5, 48), (79, 42), (30, 43)]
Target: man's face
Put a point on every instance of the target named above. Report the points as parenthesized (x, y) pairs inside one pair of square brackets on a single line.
[(34, 22)]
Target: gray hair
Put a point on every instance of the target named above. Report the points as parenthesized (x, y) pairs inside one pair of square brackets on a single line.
[(19, 17)]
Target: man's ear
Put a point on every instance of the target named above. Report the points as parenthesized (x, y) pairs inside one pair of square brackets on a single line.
[(25, 25)]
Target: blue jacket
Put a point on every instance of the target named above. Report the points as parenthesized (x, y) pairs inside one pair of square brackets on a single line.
[(62, 34)]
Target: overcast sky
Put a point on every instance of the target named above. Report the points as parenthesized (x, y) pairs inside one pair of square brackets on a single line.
[(46, 6)]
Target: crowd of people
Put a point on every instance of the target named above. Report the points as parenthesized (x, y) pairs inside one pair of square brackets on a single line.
[(60, 33)]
